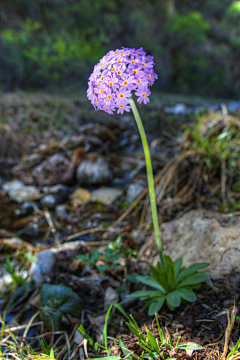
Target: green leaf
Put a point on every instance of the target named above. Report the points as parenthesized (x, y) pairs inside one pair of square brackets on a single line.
[(131, 278), (161, 336), (173, 299), (168, 261), (194, 279), (178, 342), (184, 272), (120, 308), (177, 264), (162, 277), (145, 294), (152, 341), (51, 353), (170, 271), (154, 271), (190, 346), (150, 281), (135, 324), (56, 300), (134, 330), (153, 355), (105, 325), (187, 294), (124, 349), (155, 306)]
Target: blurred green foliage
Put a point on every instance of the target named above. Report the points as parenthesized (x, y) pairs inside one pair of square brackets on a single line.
[(55, 43)]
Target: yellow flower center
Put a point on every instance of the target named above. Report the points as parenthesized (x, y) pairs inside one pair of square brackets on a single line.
[(133, 61), (106, 106), (101, 63), (98, 84), (110, 84), (121, 106), (121, 95), (139, 80), (125, 83), (143, 64), (97, 101), (109, 96), (102, 78), (115, 52), (121, 54), (144, 94), (119, 61), (149, 76), (135, 72), (113, 68), (119, 72), (91, 94), (101, 91)]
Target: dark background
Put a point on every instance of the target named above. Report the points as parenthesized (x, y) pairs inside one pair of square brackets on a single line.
[(54, 44)]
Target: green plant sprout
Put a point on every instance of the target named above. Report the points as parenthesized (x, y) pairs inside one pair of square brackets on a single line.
[(17, 278), (111, 254), (172, 284)]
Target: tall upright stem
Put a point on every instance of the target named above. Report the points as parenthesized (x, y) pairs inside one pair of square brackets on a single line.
[(149, 177)]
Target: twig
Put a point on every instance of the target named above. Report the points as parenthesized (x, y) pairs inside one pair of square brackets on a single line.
[(228, 331)]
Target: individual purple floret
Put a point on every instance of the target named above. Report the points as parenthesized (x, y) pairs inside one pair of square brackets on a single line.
[(117, 75)]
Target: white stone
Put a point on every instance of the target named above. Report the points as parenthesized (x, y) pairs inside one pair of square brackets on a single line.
[(42, 266), (111, 296), (106, 196)]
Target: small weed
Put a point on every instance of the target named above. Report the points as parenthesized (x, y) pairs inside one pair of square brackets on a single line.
[(217, 144), (152, 348), (111, 254), (17, 278), (174, 283), (10, 347)]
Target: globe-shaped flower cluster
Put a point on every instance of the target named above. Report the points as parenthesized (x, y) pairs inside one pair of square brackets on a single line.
[(116, 75)]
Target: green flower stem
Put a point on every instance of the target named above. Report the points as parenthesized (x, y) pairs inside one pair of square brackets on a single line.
[(149, 177)]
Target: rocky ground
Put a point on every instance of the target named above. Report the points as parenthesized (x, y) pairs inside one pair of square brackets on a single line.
[(74, 212)]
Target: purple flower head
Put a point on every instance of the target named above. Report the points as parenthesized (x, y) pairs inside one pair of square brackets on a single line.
[(119, 74)]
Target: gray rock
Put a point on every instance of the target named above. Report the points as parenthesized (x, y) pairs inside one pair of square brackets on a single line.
[(200, 236), (73, 142), (28, 207), (93, 173), (56, 195), (29, 161), (42, 266), (24, 193), (57, 189), (178, 109), (110, 296), (134, 190), (51, 170), (61, 211), (50, 201), (12, 185), (106, 196)]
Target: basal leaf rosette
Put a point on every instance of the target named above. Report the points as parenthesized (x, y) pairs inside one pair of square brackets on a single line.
[(117, 75)]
